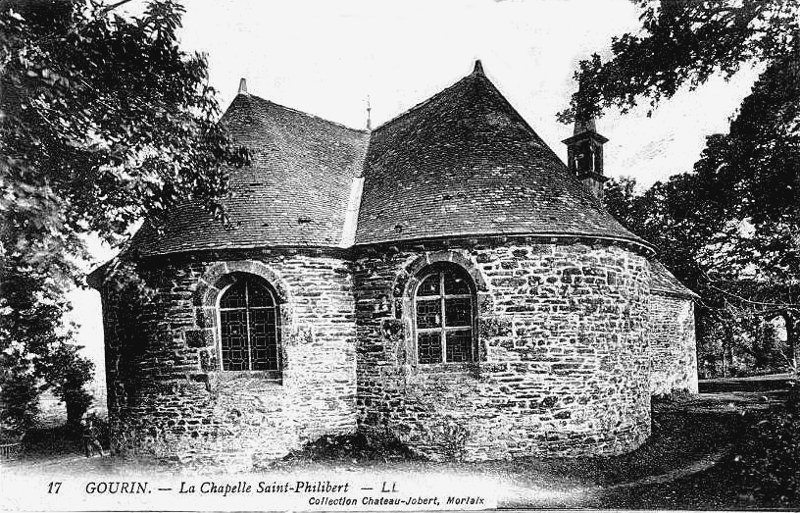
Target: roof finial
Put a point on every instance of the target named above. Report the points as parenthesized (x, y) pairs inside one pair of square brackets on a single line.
[(369, 114), (242, 86), (478, 67)]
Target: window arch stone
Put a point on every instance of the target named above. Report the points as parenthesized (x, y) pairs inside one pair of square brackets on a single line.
[(214, 279), (407, 281), (407, 278), (205, 299)]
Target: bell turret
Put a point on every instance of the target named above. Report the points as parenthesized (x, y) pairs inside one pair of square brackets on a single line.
[(585, 155)]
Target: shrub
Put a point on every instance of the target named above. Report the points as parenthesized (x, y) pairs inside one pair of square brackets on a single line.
[(67, 372), (356, 447), (771, 457), (19, 394), (451, 436)]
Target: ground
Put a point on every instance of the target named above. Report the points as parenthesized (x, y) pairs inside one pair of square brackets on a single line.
[(690, 462)]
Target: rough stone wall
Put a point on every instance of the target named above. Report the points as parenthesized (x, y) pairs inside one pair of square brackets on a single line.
[(672, 343), (564, 367), (167, 396)]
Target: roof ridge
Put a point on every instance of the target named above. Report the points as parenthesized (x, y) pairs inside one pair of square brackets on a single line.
[(308, 115), (478, 75), (421, 104), (515, 113)]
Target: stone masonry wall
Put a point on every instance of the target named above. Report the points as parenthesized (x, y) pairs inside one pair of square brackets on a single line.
[(672, 343), (167, 396), (562, 334)]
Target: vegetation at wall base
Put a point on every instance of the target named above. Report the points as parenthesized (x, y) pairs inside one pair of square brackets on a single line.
[(357, 448), (103, 121)]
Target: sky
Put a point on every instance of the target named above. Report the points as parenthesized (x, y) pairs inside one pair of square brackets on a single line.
[(326, 57)]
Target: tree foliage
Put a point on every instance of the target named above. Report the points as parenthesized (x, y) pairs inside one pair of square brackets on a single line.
[(770, 456), (682, 42), (729, 229), (104, 120)]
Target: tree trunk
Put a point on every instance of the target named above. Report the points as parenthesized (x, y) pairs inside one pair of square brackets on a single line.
[(792, 320), (727, 353), (74, 414)]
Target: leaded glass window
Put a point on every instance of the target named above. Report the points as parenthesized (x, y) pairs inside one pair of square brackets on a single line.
[(249, 331), (444, 308)]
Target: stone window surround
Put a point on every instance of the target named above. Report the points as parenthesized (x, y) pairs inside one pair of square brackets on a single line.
[(249, 280), (212, 284), (440, 270), (405, 286)]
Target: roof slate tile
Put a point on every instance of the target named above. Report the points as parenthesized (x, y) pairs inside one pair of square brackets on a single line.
[(295, 191), (464, 162)]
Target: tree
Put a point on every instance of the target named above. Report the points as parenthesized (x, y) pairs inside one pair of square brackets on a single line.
[(683, 42), (755, 262), (105, 120), (729, 228)]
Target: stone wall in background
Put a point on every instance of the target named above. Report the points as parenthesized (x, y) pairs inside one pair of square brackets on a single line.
[(672, 343), (167, 396), (562, 333)]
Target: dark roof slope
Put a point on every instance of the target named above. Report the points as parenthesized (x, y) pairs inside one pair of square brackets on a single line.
[(295, 192), (465, 162), (462, 163), (665, 283)]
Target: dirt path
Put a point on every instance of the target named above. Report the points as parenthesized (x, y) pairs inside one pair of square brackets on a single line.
[(700, 465), (691, 437), (586, 496)]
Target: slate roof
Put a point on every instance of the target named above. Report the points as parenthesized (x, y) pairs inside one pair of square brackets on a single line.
[(465, 162), (664, 282), (295, 192), (462, 163)]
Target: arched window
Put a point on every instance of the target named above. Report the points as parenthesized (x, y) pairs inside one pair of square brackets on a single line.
[(444, 307), (249, 327)]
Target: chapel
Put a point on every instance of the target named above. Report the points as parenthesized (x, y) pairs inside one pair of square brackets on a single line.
[(443, 280)]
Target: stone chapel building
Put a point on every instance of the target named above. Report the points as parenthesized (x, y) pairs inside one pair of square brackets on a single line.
[(443, 279)]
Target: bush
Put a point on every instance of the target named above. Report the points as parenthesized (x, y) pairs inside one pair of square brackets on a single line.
[(67, 372), (356, 447), (771, 457), (451, 436), (19, 394), (9, 435)]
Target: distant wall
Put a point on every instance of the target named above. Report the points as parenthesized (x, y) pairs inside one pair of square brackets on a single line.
[(672, 344)]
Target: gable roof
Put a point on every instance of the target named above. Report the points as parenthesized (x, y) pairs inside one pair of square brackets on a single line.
[(462, 163), (295, 192), (465, 162)]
